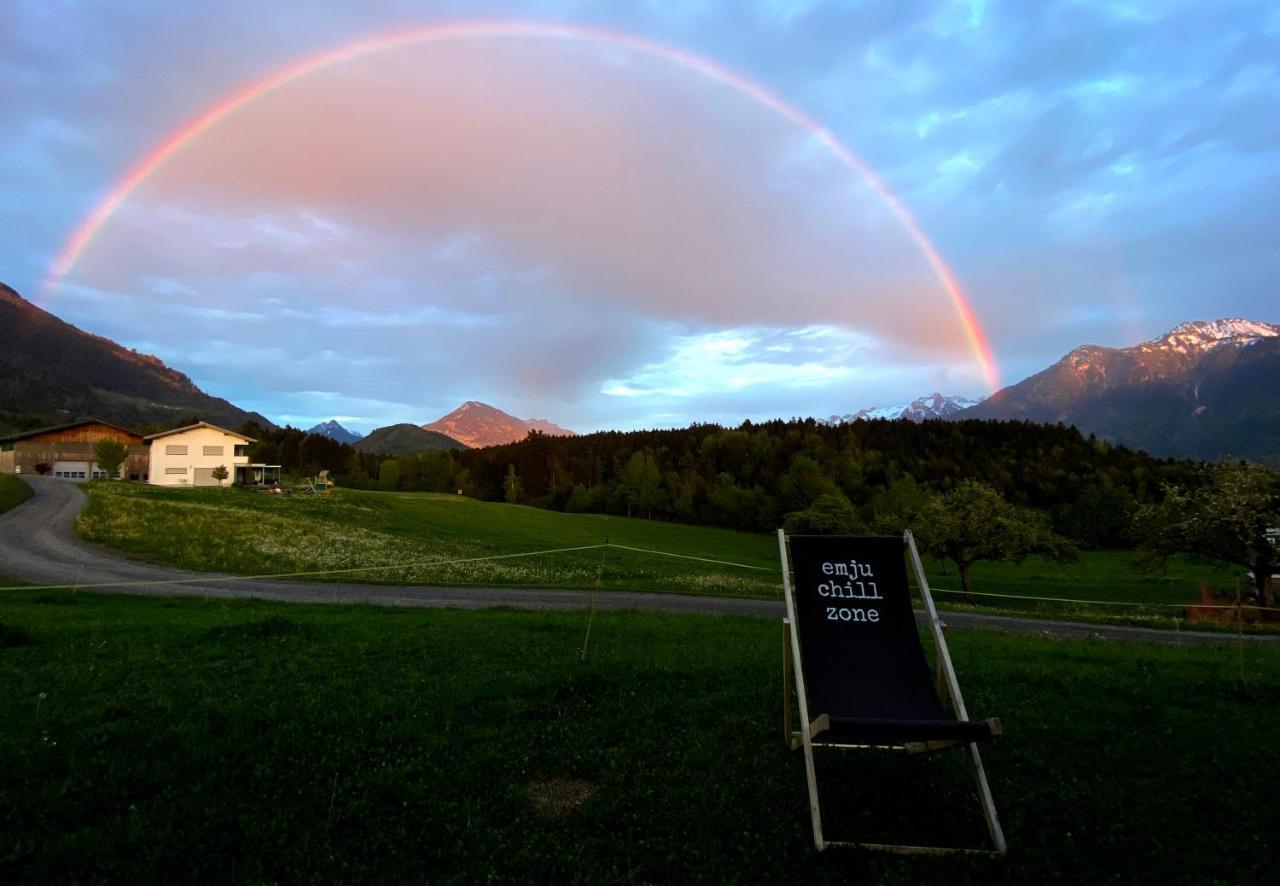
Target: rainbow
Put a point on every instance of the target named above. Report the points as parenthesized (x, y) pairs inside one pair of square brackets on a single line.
[(88, 229)]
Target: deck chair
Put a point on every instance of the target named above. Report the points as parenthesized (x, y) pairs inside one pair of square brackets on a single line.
[(861, 678)]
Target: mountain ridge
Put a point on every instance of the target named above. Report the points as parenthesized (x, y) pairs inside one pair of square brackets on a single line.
[(478, 424), (1204, 389), (930, 406), (53, 372), (335, 431), (405, 439)]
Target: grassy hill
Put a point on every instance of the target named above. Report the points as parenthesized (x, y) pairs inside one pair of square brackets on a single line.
[(405, 439), (180, 740), (234, 530)]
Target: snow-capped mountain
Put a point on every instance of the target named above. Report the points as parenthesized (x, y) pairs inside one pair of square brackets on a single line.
[(933, 405), (1199, 336), (1205, 389), (334, 431)]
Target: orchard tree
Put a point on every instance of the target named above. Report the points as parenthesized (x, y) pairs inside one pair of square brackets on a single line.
[(512, 488), (219, 473), (1223, 518), (641, 484), (110, 455), (973, 522)]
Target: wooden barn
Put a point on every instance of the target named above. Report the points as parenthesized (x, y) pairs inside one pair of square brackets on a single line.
[(68, 450)]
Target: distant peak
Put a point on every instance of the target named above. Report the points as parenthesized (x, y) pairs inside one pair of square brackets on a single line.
[(935, 405), (1209, 334)]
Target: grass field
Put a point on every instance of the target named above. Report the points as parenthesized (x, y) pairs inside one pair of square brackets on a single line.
[(190, 739), (237, 531), (12, 492)]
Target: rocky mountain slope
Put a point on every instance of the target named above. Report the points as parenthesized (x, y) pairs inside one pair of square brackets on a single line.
[(479, 424), (51, 372), (1205, 389), (334, 431)]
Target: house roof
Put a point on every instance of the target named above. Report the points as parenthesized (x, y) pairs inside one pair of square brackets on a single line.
[(26, 435), (199, 424)]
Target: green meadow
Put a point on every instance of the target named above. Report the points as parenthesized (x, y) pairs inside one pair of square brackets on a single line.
[(13, 492), (180, 740), (358, 535)]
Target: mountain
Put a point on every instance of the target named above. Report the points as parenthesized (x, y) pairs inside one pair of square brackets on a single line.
[(334, 431), (1205, 389), (933, 405), (405, 439), (479, 424), (51, 373)]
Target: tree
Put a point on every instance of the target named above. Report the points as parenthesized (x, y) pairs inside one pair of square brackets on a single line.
[(511, 486), (110, 455), (973, 522), (640, 482), (389, 475), (219, 473), (1223, 517), (829, 514)]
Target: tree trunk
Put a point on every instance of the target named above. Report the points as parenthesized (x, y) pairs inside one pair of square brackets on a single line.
[(966, 579)]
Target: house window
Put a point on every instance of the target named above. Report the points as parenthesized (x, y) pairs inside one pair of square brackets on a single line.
[(182, 471), (213, 450), (241, 449), (172, 449)]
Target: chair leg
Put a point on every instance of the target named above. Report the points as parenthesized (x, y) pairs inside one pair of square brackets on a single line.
[(988, 803), (787, 735)]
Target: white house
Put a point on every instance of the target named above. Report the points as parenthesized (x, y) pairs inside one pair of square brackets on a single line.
[(188, 456)]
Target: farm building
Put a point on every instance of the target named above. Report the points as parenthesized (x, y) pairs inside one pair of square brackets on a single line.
[(68, 450), (188, 456)]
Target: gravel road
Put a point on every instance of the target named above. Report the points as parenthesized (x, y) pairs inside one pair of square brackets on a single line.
[(38, 544)]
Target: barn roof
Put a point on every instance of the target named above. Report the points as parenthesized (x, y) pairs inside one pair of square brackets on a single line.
[(26, 435)]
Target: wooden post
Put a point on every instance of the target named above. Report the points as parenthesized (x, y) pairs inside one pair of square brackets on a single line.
[(595, 593), (957, 701), (786, 683), (815, 811)]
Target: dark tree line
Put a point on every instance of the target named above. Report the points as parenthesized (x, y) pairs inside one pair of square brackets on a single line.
[(853, 476), (857, 476)]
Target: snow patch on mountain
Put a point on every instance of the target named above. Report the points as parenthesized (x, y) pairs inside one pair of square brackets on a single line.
[(931, 406), (334, 431), (1205, 335)]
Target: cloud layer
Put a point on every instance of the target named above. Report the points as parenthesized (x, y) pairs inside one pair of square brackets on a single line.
[(595, 235)]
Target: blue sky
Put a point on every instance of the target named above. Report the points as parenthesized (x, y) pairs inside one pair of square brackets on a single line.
[(599, 237)]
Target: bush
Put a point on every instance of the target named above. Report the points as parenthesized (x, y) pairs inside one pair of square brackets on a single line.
[(828, 515)]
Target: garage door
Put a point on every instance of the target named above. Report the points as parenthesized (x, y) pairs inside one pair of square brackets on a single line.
[(204, 477), (71, 470)]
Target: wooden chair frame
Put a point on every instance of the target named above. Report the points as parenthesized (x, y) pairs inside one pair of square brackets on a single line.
[(947, 686)]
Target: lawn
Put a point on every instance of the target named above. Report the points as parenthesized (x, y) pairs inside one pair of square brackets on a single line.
[(233, 530), (180, 740), (12, 492)]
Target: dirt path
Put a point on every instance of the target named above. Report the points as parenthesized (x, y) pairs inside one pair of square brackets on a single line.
[(38, 544)]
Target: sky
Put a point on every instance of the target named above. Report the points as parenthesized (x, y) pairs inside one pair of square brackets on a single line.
[(627, 231)]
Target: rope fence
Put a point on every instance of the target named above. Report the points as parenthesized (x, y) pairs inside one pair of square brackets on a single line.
[(428, 564)]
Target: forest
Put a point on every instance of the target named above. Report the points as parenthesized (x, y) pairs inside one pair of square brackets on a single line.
[(801, 473)]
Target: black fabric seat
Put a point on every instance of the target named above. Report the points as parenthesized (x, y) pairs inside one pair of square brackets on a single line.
[(896, 732), (867, 672), (862, 678)]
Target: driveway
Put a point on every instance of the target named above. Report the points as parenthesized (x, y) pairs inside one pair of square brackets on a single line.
[(38, 544)]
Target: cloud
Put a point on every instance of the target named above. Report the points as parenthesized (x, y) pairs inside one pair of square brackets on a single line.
[(531, 223)]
